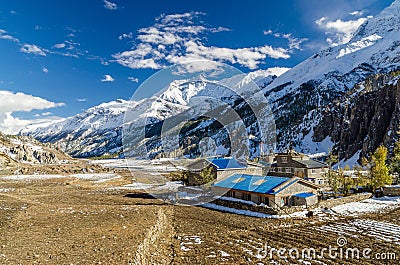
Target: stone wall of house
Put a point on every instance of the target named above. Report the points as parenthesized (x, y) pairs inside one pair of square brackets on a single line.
[(221, 174), (296, 188), (245, 206), (259, 208), (334, 202), (391, 191)]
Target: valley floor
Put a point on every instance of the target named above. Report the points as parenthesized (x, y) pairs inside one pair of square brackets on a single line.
[(86, 220)]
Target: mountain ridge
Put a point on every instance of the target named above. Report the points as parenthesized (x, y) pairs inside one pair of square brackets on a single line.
[(297, 98)]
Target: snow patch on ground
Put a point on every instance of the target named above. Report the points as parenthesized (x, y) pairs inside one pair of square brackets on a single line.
[(368, 206), (188, 242), (32, 177), (231, 199), (380, 230), (100, 177), (4, 190), (352, 209)]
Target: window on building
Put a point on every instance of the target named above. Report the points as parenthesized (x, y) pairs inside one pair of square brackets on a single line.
[(284, 159), (313, 171), (279, 169), (288, 170)]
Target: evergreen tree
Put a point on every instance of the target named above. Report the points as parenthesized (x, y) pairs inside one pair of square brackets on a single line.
[(331, 159), (331, 175), (206, 176), (347, 182)]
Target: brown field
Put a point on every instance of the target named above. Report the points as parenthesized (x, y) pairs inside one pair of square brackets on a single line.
[(69, 221)]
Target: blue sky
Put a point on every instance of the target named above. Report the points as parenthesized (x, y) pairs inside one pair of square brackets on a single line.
[(61, 57)]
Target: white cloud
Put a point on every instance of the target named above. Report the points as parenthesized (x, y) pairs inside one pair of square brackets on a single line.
[(180, 38), (45, 70), (5, 36), (12, 125), (133, 79), (48, 113), (126, 36), (59, 45), (33, 49), (357, 13), (294, 43), (13, 102), (267, 32), (110, 5), (339, 31), (81, 99), (107, 78)]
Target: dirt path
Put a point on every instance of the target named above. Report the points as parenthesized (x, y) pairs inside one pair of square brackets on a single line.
[(156, 245)]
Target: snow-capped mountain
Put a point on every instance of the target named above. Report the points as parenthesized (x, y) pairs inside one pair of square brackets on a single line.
[(299, 95), (297, 98), (98, 130)]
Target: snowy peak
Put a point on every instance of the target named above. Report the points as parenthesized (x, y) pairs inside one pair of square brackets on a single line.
[(385, 23)]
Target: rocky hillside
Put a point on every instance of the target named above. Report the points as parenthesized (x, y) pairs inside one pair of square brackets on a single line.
[(15, 150), (299, 96), (367, 116)]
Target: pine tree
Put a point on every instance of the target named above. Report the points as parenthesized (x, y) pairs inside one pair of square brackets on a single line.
[(379, 173), (206, 176), (332, 176), (331, 159), (347, 182)]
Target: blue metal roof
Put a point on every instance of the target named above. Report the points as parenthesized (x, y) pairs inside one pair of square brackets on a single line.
[(225, 163), (304, 195), (259, 184)]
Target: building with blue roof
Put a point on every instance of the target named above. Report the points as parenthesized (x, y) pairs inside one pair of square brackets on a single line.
[(269, 190), (224, 163), (217, 167)]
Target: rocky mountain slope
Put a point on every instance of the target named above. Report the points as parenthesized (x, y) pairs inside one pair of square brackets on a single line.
[(367, 116), (299, 99), (15, 150), (299, 96)]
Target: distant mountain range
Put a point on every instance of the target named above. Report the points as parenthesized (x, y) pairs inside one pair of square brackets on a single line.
[(315, 104)]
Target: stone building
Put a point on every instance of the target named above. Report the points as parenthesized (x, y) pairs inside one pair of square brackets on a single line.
[(271, 191), (293, 164)]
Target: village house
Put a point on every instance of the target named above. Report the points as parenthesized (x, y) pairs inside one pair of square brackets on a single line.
[(215, 168), (271, 191), (293, 164)]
